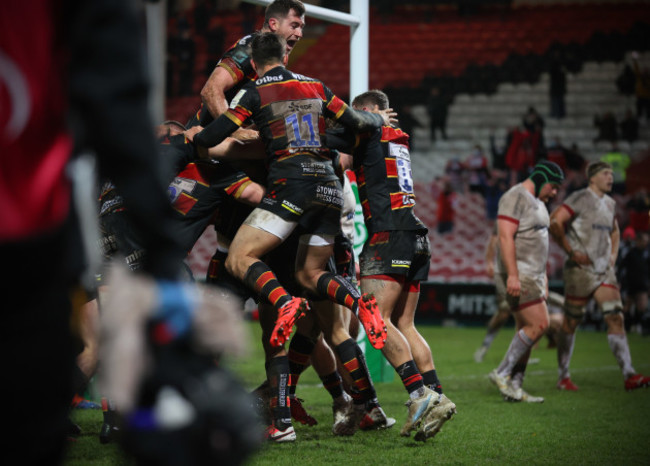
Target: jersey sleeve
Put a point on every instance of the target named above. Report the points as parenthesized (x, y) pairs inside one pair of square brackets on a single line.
[(572, 202), (237, 60), (240, 111), (358, 121), (511, 207)]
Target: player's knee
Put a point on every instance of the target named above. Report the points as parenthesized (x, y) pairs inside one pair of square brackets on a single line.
[(573, 310)]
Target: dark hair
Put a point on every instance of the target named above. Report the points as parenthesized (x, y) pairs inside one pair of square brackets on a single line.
[(268, 48), (372, 97), (282, 8)]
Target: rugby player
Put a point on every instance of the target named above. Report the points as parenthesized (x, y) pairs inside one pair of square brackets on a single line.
[(585, 227), (394, 260), (521, 280)]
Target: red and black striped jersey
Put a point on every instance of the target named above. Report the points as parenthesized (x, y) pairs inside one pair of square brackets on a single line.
[(382, 164), (237, 62), (289, 110)]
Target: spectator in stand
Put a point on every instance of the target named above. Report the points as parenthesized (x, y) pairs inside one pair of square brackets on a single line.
[(520, 156), (532, 120), (574, 159), (607, 127), (620, 162), (499, 153), (629, 127), (477, 169), (642, 88), (496, 186), (455, 172), (638, 209), (407, 122), (437, 104), (445, 212), (557, 88)]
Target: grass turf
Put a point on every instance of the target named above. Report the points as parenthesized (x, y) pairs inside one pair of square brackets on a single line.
[(599, 424)]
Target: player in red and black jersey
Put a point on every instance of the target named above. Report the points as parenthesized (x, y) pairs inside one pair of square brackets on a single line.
[(302, 189), (234, 70), (394, 259)]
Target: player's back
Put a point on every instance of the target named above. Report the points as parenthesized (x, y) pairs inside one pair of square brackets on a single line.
[(290, 114)]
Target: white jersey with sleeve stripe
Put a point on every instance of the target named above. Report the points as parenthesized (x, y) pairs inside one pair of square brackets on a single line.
[(530, 215), (591, 225)]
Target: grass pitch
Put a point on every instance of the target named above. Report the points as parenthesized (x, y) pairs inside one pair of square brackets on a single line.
[(600, 424)]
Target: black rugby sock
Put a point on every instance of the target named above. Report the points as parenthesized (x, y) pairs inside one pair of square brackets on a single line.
[(278, 376), (300, 349), (261, 279), (430, 379), (338, 289)]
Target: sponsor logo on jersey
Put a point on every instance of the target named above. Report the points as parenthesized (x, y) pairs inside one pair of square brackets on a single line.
[(597, 226), (268, 79)]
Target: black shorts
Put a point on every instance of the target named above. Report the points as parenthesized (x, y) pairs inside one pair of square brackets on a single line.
[(119, 237), (315, 206), (404, 253)]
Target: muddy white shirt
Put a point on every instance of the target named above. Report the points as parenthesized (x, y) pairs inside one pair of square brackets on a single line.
[(530, 215), (591, 225)]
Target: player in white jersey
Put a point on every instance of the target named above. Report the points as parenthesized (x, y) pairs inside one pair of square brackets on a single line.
[(585, 227), (522, 225)]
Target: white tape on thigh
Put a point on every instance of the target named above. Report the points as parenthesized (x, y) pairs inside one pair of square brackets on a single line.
[(611, 307), (271, 223), (317, 240)]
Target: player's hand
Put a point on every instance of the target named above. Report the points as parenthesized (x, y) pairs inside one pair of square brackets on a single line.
[(389, 115), (246, 135), (190, 133), (580, 258), (513, 285)]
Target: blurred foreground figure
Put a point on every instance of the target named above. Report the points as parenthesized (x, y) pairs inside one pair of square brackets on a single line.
[(75, 83)]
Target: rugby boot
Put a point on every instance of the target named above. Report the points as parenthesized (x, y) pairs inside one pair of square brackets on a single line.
[(349, 423), (432, 423), (375, 418), (418, 410), (273, 434), (528, 398), (287, 316), (636, 381), (372, 321), (298, 412), (567, 384), (340, 408), (503, 384)]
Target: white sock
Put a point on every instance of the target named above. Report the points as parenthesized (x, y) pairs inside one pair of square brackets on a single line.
[(518, 346), (565, 344), (620, 348)]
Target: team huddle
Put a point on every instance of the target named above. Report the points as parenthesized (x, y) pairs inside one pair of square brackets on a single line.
[(264, 161)]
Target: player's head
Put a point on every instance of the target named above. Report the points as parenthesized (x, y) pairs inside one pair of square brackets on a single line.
[(600, 176), (268, 48), (287, 19), (371, 101), (547, 177)]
